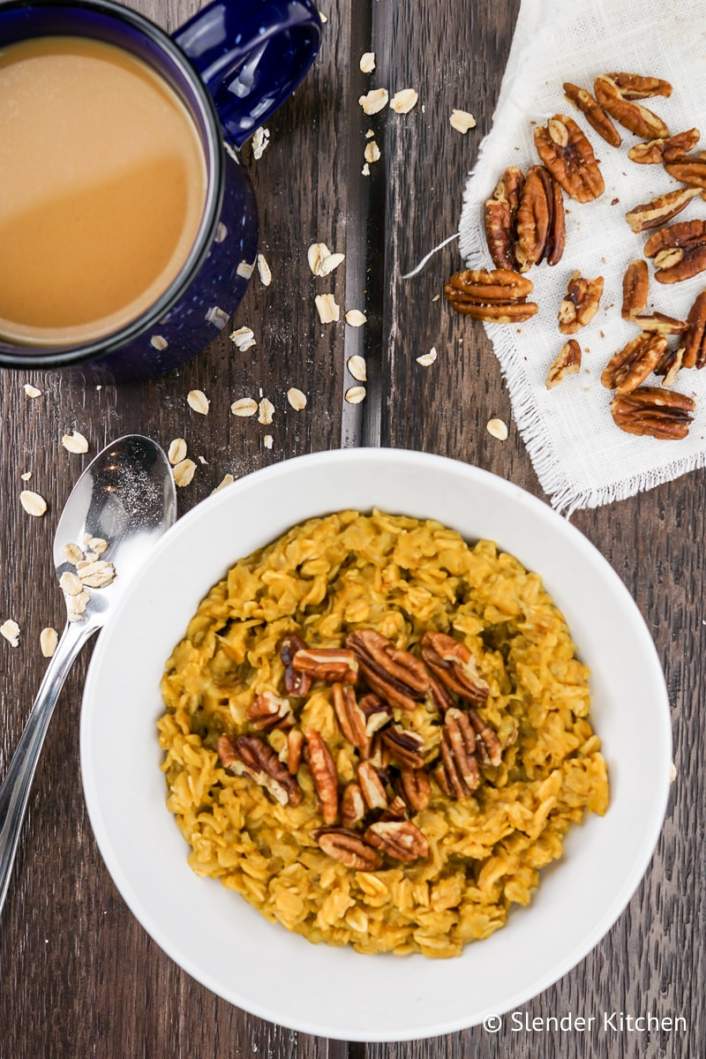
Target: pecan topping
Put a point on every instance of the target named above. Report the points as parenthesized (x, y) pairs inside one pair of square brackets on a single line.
[(688, 169), (695, 340), (295, 744), (398, 839), (496, 295), (664, 148), (682, 234), (569, 157), (296, 684), (415, 789), (631, 365), (251, 756), (636, 86), (659, 322), (500, 213), (663, 208), (397, 809), (350, 717), (670, 365), (679, 250), (487, 742), (404, 748), (329, 664), (348, 848), (567, 362), (580, 303), (439, 775), (458, 758), (371, 786), (635, 288), (352, 805), (532, 220), (377, 713), (454, 665), (268, 710), (594, 113), (655, 412), (323, 773), (395, 675), (556, 233), (630, 115)]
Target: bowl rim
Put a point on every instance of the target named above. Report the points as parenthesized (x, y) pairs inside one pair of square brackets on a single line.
[(632, 878)]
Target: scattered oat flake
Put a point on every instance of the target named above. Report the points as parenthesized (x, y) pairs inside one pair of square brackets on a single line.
[(76, 605), (266, 410), (366, 170), (217, 316), (98, 573), (356, 318), (226, 480), (369, 134), (73, 553), (296, 398), (10, 630), (26, 476), (75, 442), (198, 402), (244, 406), (355, 394), (315, 256), (367, 62), (436, 297), (330, 263), (97, 545), (243, 338), (371, 152), (184, 472), (672, 773), (374, 100), (158, 342), (323, 17), (70, 583), (244, 269), (33, 503), (427, 358), (497, 429), (358, 368), (177, 451), (260, 143), (403, 101), (329, 312), (462, 121), (31, 391), (48, 639), (263, 270), (268, 441)]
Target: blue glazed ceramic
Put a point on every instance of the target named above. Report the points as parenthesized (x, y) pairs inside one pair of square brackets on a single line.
[(233, 64)]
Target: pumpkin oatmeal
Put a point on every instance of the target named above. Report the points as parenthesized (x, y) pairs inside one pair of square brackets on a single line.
[(378, 734)]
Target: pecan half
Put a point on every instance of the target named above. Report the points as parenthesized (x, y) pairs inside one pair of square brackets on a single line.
[(458, 758), (569, 157), (351, 719), (679, 250), (556, 233), (487, 742), (377, 713), (415, 789), (654, 412), (659, 322), (251, 756), (268, 710), (500, 214), (395, 675), (580, 303), (371, 786), (404, 748), (483, 286), (512, 313), (688, 169), (695, 340), (533, 217), (652, 214), (329, 664), (348, 848), (594, 113), (324, 775), (630, 115), (637, 86), (296, 684), (683, 234), (439, 775), (295, 745), (454, 665), (664, 148), (567, 362), (398, 839), (635, 289), (352, 805), (631, 365)]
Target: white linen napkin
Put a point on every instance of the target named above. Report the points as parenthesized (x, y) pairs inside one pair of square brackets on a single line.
[(581, 458)]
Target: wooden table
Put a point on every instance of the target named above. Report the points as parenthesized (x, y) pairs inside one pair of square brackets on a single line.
[(79, 976)]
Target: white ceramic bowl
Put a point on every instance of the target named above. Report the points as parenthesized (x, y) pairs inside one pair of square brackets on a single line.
[(214, 934)]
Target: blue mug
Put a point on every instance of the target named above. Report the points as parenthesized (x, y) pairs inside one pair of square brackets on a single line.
[(233, 64)]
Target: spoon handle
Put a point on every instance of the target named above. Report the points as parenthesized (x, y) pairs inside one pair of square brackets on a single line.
[(14, 792)]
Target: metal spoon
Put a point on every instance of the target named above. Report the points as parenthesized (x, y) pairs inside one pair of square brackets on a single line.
[(126, 497)]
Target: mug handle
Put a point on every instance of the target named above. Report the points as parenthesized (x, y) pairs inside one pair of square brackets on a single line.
[(251, 55)]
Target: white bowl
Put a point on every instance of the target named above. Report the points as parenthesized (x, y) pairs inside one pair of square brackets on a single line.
[(214, 934)]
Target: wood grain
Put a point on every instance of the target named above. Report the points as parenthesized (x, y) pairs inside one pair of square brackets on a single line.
[(79, 976)]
